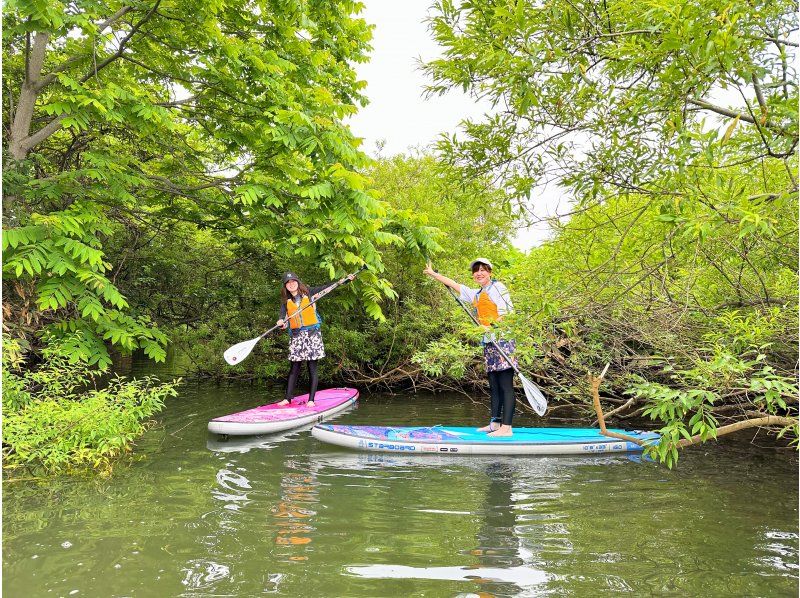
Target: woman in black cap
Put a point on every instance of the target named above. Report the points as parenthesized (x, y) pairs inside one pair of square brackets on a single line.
[(491, 301), (305, 336)]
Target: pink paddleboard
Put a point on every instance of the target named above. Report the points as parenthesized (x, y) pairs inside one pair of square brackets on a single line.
[(274, 418)]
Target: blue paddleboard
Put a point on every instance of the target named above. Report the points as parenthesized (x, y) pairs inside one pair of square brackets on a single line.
[(446, 439)]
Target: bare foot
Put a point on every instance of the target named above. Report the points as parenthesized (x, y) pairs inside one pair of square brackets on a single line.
[(283, 403), (489, 428), (502, 431), (310, 404)]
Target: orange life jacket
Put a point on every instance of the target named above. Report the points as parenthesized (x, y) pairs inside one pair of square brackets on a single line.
[(308, 313), (487, 309)]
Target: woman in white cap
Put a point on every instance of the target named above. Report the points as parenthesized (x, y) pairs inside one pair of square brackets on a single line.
[(491, 301), (305, 335)]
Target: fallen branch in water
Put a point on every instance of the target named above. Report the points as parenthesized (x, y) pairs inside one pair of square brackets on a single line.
[(595, 382), (765, 420), (757, 419)]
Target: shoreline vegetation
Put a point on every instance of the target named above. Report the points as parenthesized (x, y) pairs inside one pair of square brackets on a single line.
[(164, 164)]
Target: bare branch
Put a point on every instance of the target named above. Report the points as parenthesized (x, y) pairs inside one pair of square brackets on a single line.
[(595, 384), (32, 140), (775, 40), (741, 116), (759, 95), (177, 102), (723, 111), (113, 18)]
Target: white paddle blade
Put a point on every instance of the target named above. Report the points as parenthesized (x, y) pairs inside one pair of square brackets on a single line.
[(238, 352), (534, 395)]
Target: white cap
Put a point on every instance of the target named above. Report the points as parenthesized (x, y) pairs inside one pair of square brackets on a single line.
[(480, 260)]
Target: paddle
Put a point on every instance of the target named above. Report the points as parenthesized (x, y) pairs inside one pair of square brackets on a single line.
[(239, 352), (532, 392)]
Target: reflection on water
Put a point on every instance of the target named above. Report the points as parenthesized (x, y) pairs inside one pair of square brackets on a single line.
[(288, 515), (231, 489), (202, 574), (521, 577), (294, 512)]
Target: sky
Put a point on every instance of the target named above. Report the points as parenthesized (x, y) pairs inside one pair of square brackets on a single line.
[(399, 115)]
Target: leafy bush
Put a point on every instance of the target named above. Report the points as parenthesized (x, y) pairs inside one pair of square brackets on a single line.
[(63, 417)]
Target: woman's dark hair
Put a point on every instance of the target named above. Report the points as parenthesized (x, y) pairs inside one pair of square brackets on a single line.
[(301, 290), (478, 265)]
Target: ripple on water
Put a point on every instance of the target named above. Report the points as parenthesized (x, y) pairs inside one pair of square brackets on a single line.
[(201, 573), (524, 577)]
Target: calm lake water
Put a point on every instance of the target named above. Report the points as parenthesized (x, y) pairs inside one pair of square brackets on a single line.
[(288, 515)]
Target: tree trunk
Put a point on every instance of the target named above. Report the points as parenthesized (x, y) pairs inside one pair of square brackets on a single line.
[(20, 128)]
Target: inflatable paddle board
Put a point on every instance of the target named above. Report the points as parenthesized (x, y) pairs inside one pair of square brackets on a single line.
[(267, 419), (468, 441)]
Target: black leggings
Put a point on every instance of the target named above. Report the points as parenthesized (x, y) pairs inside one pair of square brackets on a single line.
[(501, 388), (294, 374)]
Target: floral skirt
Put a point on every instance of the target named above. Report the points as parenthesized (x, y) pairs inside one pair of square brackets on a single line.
[(494, 361), (306, 345)]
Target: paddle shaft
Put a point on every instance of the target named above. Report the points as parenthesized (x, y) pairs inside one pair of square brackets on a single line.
[(477, 323), (318, 296)]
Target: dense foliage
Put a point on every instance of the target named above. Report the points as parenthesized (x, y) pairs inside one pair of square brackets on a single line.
[(128, 126), (63, 417), (165, 162), (124, 121), (674, 128), (208, 298)]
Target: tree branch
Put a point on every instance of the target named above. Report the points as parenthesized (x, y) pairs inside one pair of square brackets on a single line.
[(32, 140), (722, 111), (51, 76), (775, 40), (740, 115), (22, 143), (769, 420), (122, 44), (759, 95), (595, 382), (177, 102)]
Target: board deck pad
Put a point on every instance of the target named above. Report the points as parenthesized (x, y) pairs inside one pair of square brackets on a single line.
[(274, 418), (447, 439)]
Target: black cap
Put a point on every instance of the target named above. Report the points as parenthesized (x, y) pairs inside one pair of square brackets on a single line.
[(289, 276)]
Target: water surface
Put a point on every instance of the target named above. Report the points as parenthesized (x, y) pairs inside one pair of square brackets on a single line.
[(288, 515)]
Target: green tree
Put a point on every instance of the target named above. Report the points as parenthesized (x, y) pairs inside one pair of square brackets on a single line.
[(611, 98), (136, 116), (673, 129), (469, 217)]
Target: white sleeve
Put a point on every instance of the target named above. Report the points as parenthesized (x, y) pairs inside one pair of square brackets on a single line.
[(468, 294), (502, 298)]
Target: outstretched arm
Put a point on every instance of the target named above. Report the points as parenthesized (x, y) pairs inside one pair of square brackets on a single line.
[(441, 278), (321, 291)]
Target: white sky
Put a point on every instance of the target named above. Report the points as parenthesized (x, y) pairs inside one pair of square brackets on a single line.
[(398, 113)]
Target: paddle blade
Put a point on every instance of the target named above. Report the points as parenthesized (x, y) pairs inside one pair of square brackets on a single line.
[(534, 395), (238, 352)]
